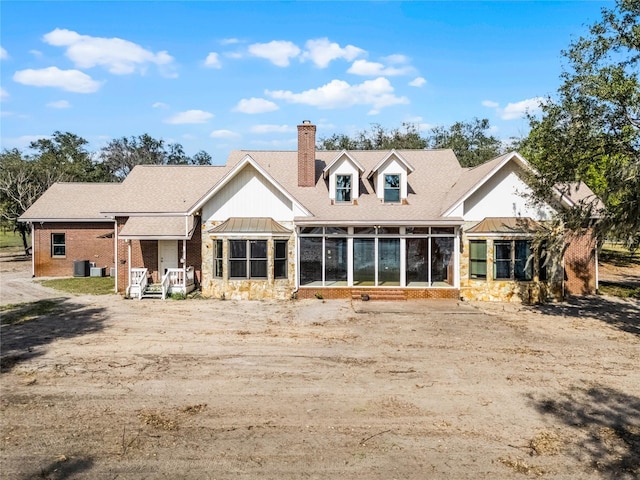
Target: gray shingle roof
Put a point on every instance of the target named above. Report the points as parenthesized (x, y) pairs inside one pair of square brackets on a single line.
[(73, 201), (435, 173)]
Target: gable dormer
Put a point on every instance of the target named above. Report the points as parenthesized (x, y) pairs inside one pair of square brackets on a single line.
[(389, 178), (344, 174)]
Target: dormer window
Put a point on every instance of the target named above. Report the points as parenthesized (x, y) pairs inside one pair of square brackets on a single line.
[(392, 188), (343, 174), (343, 188), (389, 178)]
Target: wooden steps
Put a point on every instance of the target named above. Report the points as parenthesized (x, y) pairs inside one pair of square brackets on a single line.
[(153, 290)]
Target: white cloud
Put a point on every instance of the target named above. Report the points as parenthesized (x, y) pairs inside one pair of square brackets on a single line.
[(272, 129), (229, 41), (321, 52), (3, 54), (118, 56), (59, 104), (277, 52), (212, 61), (69, 80), (518, 109), (377, 93), (255, 105), (396, 59), (36, 53), (515, 110), (3, 94), (417, 82), (223, 134), (190, 116), (160, 105), (234, 55), (374, 69)]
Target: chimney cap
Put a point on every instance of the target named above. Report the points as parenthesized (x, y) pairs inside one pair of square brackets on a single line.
[(306, 122)]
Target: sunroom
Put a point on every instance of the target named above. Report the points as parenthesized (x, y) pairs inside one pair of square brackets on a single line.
[(378, 256)]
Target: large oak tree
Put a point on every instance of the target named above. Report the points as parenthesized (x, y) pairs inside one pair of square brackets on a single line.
[(590, 131)]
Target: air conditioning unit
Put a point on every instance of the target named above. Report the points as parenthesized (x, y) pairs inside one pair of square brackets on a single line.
[(98, 271), (81, 268), (112, 272)]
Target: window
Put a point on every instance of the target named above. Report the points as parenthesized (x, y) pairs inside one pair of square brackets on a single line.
[(58, 245), (247, 258), (478, 259), (258, 260), (217, 258), (280, 259), (311, 260), (512, 260), (343, 188), (391, 188)]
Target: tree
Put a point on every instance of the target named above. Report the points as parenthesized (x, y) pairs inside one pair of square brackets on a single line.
[(378, 138), (23, 178), (120, 155), (590, 131), (469, 140)]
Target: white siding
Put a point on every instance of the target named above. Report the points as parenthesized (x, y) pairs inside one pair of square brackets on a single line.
[(391, 167), (249, 194), (504, 195), (344, 166)]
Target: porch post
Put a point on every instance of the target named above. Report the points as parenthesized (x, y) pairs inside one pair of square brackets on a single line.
[(115, 252), (129, 262), (184, 263)]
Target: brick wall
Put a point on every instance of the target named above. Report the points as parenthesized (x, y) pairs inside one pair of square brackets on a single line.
[(83, 241), (580, 263), (144, 254)]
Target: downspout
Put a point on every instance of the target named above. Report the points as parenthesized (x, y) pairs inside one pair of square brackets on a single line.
[(296, 285), (33, 254), (115, 252), (129, 265), (597, 272)]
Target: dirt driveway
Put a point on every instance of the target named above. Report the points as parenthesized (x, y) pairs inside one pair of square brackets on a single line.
[(123, 389)]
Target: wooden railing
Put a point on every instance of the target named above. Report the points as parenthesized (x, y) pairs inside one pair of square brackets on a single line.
[(138, 282)]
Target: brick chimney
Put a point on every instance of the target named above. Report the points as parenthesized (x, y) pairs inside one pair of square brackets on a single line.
[(306, 154)]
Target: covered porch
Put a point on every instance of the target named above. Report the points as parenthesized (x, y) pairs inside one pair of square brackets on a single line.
[(160, 256)]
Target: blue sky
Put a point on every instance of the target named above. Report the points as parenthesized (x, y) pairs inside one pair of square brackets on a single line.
[(218, 76)]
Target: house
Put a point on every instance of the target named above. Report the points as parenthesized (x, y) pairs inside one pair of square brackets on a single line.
[(393, 224)]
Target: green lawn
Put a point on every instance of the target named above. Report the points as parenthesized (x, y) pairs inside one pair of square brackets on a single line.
[(9, 239), (82, 285)]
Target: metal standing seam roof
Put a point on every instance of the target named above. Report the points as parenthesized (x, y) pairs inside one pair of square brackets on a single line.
[(506, 225), (250, 225)]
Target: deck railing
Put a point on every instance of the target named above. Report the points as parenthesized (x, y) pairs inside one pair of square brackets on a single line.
[(138, 282)]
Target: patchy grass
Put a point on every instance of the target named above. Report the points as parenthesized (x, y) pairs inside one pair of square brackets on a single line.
[(82, 285), (10, 240), (619, 256), (23, 312), (619, 290)]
